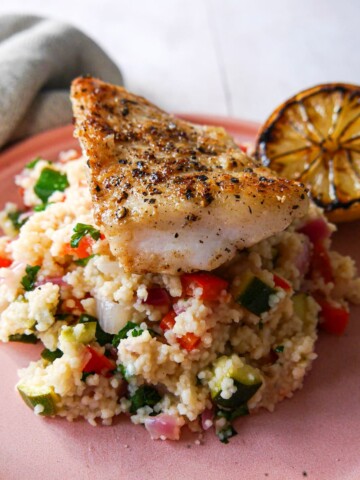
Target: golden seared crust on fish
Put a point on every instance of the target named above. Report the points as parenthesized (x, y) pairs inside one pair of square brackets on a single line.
[(173, 196)]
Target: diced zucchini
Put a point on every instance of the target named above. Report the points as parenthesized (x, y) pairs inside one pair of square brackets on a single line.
[(80, 333), (144, 396), (51, 355), (23, 338), (101, 337), (34, 396), (246, 381), (253, 294)]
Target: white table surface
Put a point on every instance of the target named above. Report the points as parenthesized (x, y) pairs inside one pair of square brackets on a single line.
[(229, 57)]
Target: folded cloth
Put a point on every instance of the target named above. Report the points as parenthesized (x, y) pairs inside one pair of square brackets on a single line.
[(38, 59)]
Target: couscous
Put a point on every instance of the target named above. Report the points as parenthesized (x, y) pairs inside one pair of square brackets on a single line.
[(197, 349)]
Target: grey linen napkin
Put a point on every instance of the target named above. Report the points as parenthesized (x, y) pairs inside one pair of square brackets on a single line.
[(38, 59)]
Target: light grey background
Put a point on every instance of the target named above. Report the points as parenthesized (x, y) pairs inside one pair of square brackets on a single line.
[(229, 57)]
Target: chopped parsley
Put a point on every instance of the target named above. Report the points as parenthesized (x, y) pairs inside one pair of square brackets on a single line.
[(123, 333), (279, 349), (23, 338), (32, 164), (50, 356), (81, 229), (144, 396), (102, 337), (82, 262), (231, 415), (42, 207), (136, 332), (226, 433), (14, 217), (28, 280), (85, 375), (122, 369), (50, 181)]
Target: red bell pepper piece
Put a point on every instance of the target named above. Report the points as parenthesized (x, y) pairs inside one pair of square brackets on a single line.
[(281, 283), (211, 285), (158, 296), (243, 147), (168, 322), (189, 341), (98, 363), (83, 250), (335, 319), (5, 262)]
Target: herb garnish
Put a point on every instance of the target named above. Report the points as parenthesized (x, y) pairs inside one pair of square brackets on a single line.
[(144, 396), (28, 280), (81, 229), (82, 262), (42, 207), (14, 217), (49, 182), (122, 369), (231, 415), (85, 375), (226, 433), (124, 331), (32, 164)]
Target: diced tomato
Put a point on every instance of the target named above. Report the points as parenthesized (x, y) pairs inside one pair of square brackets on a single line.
[(335, 319), (320, 263), (243, 147), (211, 285), (21, 192), (102, 236), (5, 262), (281, 283), (168, 321), (158, 296), (98, 362), (189, 341), (83, 250)]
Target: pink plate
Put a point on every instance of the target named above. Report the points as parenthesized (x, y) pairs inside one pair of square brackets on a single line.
[(316, 434)]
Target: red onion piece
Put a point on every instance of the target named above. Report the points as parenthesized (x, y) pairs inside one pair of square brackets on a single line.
[(178, 308), (163, 425), (206, 417), (316, 230), (55, 280), (112, 316), (157, 296)]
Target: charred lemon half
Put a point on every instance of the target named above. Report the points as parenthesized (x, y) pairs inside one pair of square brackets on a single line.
[(314, 137)]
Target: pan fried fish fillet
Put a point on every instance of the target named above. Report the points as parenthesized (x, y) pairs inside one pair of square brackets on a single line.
[(172, 196)]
